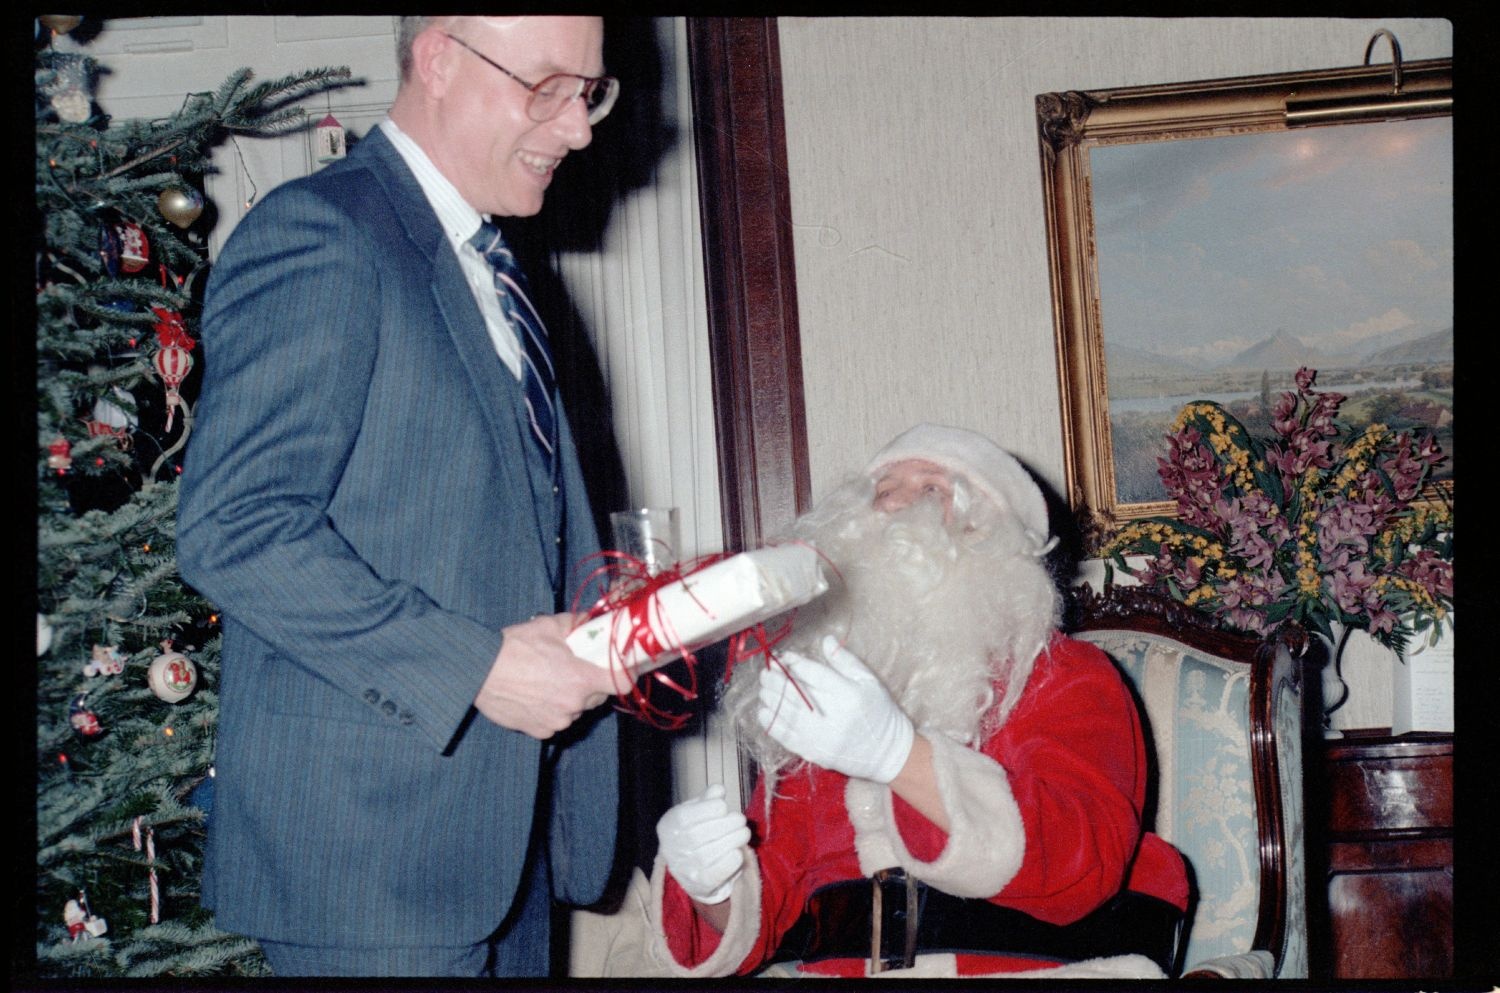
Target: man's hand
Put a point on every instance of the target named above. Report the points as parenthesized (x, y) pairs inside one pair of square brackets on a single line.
[(853, 727), (700, 840), (537, 686)]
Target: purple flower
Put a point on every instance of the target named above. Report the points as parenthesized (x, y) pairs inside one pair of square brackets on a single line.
[(1188, 472), (1265, 558), (1350, 586), (1429, 451), (1246, 620), (1189, 573), (1382, 621), (1303, 450), (1431, 571), (1405, 469), (1347, 524), (1257, 551), (1266, 516), (1320, 417), (1284, 414), (1246, 534), (1257, 588)]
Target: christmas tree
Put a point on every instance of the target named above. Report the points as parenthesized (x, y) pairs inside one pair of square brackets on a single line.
[(127, 655)]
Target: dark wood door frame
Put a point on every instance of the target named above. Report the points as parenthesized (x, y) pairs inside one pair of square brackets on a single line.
[(750, 277)]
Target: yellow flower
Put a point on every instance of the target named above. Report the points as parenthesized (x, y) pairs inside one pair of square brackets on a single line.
[(1418, 593), (1308, 581), (1197, 596)]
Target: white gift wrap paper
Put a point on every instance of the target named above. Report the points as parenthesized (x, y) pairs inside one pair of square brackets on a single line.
[(711, 604)]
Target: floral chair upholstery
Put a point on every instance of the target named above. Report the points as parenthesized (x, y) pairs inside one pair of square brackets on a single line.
[(1225, 715)]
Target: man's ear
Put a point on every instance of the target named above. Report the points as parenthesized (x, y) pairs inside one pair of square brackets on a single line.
[(434, 58)]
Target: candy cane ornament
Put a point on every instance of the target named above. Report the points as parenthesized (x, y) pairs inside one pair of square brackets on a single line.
[(150, 844)]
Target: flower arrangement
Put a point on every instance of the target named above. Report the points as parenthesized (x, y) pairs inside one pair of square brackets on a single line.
[(1318, 525)]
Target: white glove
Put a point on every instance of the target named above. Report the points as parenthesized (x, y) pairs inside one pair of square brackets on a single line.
[(701, 841), (854, 726)]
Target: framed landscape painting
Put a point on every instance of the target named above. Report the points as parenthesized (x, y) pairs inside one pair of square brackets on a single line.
[(1209, 239)]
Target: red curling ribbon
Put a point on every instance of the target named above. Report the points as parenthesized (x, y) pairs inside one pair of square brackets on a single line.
[(741, 650), (631, 595)]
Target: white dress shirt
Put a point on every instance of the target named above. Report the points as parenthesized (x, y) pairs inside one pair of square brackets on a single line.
[(460, 222)]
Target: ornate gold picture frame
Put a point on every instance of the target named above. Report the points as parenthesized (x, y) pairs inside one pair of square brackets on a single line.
[(1120, 167)]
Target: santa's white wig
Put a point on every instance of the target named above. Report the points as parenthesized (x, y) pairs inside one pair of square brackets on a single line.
[(949, 611)]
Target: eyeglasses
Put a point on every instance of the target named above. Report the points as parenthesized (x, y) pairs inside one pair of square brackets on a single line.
[(551, 96)]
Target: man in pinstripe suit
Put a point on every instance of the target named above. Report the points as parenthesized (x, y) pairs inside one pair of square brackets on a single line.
[(411, 765)]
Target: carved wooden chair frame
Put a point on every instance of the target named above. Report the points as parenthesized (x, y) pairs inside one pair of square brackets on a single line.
[(1127, 608)]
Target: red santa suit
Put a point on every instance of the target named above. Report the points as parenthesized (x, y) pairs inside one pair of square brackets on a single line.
[(1045, 818)]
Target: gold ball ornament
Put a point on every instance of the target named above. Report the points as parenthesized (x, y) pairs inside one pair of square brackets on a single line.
[(60, 23), (172, 675), (181, 207)]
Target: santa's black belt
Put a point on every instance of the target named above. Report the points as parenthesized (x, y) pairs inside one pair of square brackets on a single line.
[(891, 917)]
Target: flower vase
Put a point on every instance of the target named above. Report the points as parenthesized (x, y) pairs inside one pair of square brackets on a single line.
[(1335, 690)]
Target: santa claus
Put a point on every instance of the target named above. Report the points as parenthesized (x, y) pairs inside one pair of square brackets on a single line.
[(948, 786)]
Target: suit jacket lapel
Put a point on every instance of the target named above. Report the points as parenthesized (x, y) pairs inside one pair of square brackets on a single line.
[(498, 391)]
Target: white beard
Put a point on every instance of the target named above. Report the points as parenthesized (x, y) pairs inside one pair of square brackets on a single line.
[(942, 613)]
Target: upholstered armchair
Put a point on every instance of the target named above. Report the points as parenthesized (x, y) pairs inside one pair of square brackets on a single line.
[(1225, 714)]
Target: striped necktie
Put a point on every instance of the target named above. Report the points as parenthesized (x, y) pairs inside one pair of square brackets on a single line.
[(537, 375)]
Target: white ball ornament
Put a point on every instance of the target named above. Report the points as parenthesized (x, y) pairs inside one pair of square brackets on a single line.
[(116, 415), (68, 89), (43, 635), (172, 675), (72, 106)]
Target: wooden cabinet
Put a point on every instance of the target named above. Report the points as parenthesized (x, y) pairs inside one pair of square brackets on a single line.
[(1388, 804)]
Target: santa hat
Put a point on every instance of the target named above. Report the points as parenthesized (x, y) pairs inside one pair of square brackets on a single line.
[(989, 469)]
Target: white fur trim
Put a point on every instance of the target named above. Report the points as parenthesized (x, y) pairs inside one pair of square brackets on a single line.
[(945, 966), (739, 935), (986, 836), (868, 805), (991, 469), (617, 944)]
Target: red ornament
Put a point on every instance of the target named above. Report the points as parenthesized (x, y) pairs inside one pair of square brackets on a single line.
[(134, 250), (173, 363), (170, 329), (98, 429), (60, 455), (82, 718)]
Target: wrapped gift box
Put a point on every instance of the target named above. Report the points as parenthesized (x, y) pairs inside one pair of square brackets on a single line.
[(703, 607)]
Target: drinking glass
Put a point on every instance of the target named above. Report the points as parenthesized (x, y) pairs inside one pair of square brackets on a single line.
[(648, 534)]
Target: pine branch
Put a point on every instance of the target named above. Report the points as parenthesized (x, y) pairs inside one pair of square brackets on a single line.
[(106, 570)]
